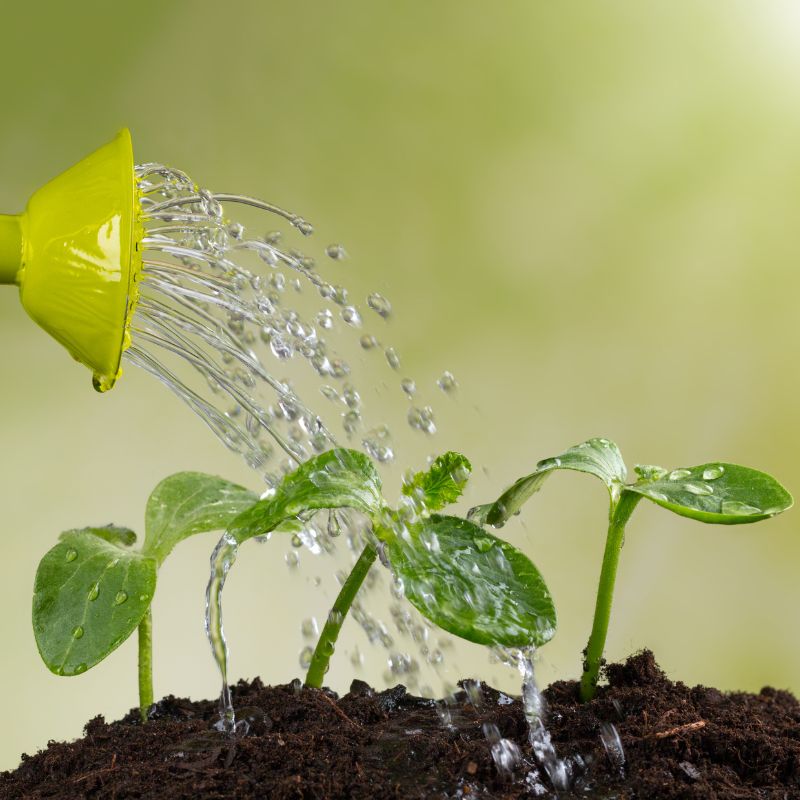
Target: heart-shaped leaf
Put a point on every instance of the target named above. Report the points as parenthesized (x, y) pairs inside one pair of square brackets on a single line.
[(598, 457), (187, 503), (442, 484), (472, 584), (338, 478), (726, 494), (89, 595)]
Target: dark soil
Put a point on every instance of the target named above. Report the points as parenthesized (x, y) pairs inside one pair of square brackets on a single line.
[(679, 742)]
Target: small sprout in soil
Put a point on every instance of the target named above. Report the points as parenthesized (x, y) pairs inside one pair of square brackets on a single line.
[(92, 589), (460, 577), (725, 494)]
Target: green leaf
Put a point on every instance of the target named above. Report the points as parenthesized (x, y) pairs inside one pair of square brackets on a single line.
[(598, 457), (726, 494), (187, 503), (338, 478), (472, 584), (443, 483), (89, 595)]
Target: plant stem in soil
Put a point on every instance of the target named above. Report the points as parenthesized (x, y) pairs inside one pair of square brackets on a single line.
[(620, 514), (330, 632), (145, 664)]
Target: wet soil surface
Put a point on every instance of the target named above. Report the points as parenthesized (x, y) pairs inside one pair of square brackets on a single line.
[(679, 742)]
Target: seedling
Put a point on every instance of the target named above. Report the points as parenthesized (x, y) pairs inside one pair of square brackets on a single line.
[(92, 589), (460, 577), (725, 494)]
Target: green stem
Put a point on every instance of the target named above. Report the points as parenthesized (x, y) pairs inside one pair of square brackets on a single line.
[(620, 514), (145, 664), (330, 633)]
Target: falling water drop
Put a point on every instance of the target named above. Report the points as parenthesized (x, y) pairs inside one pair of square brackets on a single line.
[(336, 252), (380, 305), (447, 382)]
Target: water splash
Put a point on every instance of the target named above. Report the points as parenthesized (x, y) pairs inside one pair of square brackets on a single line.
[(222, 315)]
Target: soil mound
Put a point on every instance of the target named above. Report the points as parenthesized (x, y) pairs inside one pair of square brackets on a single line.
[(679, 743)]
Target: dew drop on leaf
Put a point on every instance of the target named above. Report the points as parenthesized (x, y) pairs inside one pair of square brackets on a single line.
[(699, 489), (77, 632), (94, 591), (679, 474), (120, 598), (72, 554), (736, 507), (712, 473)]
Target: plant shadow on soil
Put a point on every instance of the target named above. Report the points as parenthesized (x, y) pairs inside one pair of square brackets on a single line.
[(679, 742)]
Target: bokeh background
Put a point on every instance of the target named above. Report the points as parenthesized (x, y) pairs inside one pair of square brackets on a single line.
[(587, 211)]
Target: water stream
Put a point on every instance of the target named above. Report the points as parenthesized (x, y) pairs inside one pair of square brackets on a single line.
[(220, 311)]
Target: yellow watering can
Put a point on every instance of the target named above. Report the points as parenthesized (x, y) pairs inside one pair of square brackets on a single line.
[(74, 255)]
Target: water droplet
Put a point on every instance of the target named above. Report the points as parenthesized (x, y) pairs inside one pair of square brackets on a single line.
[(408, 386), (304, 226), (306, 654), (292, 559), (325, 319), (649, 472), (712, 473), (392, 358), (368, 342), (280, 348), (380, 305), (484, 543), (77, 632), (701, 489), (378, 443), (351, 316), (422, 419), (447, 382), (94, 591), (350, 421), (612, 744), (236, 231), (336, 252), (309, 628), (71, 555), (120, 598), (334, 527), (738, 508), (351, 397), (679, 474)]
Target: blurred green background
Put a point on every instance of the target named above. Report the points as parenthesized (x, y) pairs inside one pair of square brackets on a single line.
[(587, 211)]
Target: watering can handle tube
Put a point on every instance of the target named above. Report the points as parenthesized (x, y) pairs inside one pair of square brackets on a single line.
[(10, 248)]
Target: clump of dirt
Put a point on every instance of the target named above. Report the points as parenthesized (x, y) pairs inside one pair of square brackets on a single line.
[(679, 743)]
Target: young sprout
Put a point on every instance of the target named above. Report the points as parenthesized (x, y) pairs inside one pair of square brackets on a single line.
[(92, 589), (460, 577), (725, 494)]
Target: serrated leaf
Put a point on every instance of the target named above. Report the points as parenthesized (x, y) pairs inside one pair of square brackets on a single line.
[(473, 584), (188, 503), (89, 596), (338, 478), (725, 494), (598, 457), (443, 483)]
